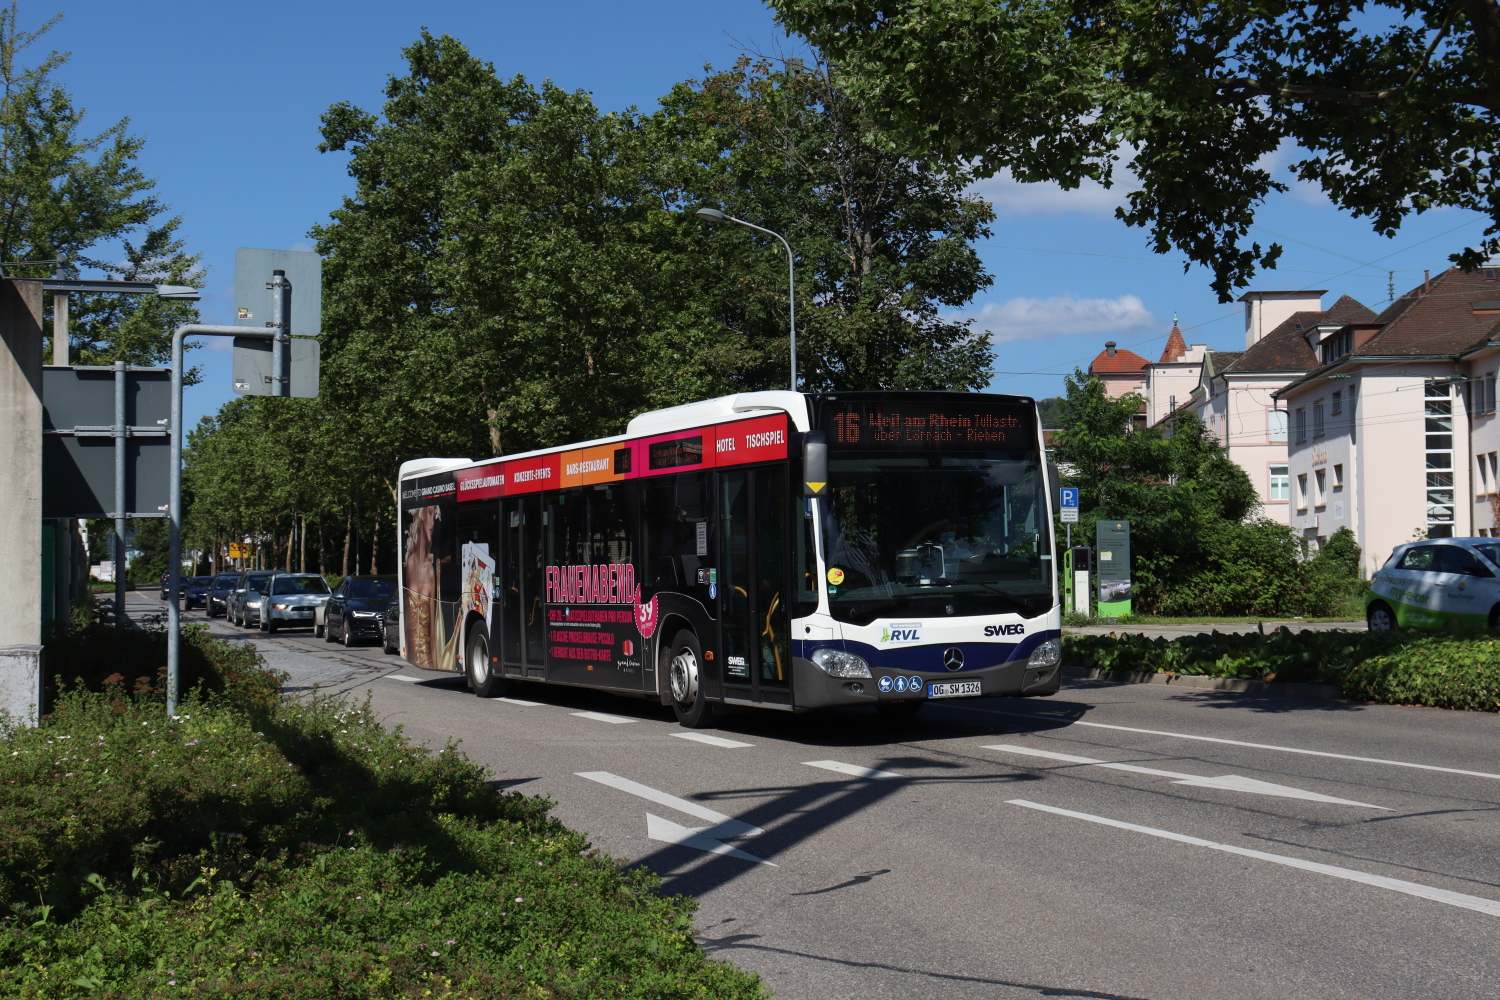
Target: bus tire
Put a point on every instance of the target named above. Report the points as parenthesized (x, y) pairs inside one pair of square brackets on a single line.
[(481, 670), (1380, 617), (1495, 616), (685, 681)]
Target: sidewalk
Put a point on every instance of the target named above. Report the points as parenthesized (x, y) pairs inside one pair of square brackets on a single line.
[(1177, 631)]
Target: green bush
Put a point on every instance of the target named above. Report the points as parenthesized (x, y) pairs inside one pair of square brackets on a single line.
[(1441, 671), (1399, 667), (305, 852)]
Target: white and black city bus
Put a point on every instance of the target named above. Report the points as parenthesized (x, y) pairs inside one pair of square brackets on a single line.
[(771, 549)]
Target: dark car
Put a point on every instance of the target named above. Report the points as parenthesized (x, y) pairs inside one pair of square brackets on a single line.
[(165, 584), (390, 628), (218, 594), (195, 594), (353, 613)]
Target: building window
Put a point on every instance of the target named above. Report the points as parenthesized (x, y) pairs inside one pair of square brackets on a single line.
[(1281, 483), (1317, 418), (1277, 420), (1302, 491), (1487, 387), (1338, 477), (1301, 423), (1338, 403), (1320, 493), (1438, 413)]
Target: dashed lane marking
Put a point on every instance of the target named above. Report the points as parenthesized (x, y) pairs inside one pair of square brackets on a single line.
[(603, 717), (1489, 906), (713, 741), (518, 701), (854, 769), (399, 677)]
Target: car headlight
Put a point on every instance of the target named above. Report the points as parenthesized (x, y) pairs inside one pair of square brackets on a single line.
[(1047, 655), (367, 614), (837, 663), (252, 604), (281, 607)]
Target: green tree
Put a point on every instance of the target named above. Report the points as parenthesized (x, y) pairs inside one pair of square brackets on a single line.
[(1393, 101), (1198, 544), (883, 241), (66, 194)]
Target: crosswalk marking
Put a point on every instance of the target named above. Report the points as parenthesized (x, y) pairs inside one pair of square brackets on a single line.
[(713, 741), (854, 769), (602, 717)]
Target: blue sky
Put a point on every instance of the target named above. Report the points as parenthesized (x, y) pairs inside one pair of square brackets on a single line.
[(228, 96)]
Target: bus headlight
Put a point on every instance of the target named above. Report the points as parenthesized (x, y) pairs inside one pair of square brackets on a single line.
[(1046, 656), (837, 663)]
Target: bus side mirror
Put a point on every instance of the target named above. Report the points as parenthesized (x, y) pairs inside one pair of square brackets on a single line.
[(814, 464), (1054, 481)]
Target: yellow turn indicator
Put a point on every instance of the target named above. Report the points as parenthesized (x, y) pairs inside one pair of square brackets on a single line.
[(816, 487)]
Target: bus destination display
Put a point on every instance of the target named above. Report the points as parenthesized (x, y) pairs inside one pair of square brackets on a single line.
[(915, 426)]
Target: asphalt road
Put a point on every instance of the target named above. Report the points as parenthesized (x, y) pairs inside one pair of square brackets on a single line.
[(984, 850)]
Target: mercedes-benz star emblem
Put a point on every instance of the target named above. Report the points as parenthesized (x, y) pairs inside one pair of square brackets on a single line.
[(953, 658)]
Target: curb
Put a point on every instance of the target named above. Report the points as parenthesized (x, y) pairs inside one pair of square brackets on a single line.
[(1315, 692)]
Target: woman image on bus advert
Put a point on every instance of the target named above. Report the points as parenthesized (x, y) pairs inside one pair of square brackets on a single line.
[(420, 575)]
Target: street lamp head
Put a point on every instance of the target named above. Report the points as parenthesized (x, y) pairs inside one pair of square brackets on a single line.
[(712, 215)]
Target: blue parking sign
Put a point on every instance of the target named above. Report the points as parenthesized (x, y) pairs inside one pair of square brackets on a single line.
[(1067, 497)]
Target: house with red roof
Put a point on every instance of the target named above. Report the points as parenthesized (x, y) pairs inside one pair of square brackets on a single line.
[(1121, 371)]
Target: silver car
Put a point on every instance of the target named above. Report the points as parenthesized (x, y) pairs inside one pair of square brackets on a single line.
[(292, 600), (242, 607)]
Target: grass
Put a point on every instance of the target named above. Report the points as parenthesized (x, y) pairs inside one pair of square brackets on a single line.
[(252, 847), (1075, 620)]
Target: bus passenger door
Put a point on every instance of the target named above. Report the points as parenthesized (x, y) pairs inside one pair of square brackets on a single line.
[(509, 605), (753, 587)]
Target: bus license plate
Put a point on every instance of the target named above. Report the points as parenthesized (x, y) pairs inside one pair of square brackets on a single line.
[(953, 689)]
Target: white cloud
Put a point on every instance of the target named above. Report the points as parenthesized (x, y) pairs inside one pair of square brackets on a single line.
[(1011, 197), (1030, 319)]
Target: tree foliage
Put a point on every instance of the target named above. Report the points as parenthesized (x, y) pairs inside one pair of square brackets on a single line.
[(1394, 102), (67, 194), (1198, 542)]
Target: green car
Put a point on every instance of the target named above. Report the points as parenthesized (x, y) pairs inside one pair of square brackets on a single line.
[(1442, 583)]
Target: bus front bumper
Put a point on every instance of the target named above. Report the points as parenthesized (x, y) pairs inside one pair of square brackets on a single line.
[(812, 688)]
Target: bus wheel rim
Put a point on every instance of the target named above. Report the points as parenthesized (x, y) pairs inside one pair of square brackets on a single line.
[(479, 664), (684, 677)]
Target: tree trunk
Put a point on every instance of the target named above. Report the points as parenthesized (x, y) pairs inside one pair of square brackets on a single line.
[(302, 548), (291, 538), (375, 544), (348, 537)]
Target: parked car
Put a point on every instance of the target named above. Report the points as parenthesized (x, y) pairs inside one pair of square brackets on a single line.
[(291, 600), (165, 578), (244, 599), (1435, 585), (390, 628), (195, 594), (354, 611), (218, 594)]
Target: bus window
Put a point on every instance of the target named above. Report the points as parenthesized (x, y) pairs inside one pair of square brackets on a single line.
[(675, 546), (734, 575), (771, 575), (807, 561), (609, 532)]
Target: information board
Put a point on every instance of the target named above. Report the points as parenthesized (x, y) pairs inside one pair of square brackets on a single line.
[(1112, 559)]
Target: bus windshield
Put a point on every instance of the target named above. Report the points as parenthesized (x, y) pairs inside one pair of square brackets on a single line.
[(931, 535)]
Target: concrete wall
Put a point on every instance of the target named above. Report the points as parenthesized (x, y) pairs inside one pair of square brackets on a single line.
[(1265, 311), (20, 497), (1116, 385), (1484, 431), (1164, 381)]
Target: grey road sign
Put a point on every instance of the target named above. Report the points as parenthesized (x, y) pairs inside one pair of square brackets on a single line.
[(253, 301), (253, 367), (78, 442)]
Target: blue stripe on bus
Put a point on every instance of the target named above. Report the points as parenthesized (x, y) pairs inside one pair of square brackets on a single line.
[(928, 657)]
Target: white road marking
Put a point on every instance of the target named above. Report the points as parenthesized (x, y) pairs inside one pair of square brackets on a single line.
[(602, 717), (1237, 743), (713, 741), (1231, 782), (398, 677), (696, 837), (1489, 906), (722, 824), (518, 701), (854, 769)]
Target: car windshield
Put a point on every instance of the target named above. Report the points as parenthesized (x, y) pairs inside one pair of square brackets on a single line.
[(371, 590), (201, 581), (226, 579), (1490, 552), (935, 535), (301, 585)]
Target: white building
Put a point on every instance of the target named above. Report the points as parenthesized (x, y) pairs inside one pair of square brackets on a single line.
[(1170, 382), (1394, 429)]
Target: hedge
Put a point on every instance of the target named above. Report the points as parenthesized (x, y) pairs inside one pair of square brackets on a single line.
[(1396, 667), (303, 851)]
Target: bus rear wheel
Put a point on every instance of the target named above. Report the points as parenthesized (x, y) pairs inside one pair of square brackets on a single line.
[(481, 670), (1380, 618), (685, 678)]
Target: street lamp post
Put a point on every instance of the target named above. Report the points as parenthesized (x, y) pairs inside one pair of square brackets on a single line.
[(717, 217)]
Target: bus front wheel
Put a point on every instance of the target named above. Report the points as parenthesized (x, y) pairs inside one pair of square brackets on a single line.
[(684, 676), (481, 670)]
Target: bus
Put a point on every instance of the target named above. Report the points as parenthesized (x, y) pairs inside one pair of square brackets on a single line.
[(775, 549)]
